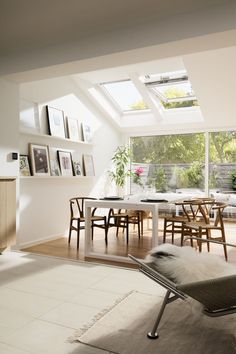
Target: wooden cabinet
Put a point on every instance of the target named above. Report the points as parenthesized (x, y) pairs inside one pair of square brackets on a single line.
[(7, 212)]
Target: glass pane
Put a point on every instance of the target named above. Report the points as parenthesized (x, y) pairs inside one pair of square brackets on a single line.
[(179, 91), (172, 93), (125, 94), (169, 163), (222, 170)]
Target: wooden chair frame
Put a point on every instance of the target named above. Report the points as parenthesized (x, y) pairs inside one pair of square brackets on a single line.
[(77, 217), (200, 228), (122, 219)]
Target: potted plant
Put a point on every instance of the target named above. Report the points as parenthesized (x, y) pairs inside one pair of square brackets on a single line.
[(137, 179), (121, 159)]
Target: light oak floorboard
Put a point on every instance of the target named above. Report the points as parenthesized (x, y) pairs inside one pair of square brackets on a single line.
[(117, 245)]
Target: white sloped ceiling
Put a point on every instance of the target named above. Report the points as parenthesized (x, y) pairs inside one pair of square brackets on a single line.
[(213, 77)]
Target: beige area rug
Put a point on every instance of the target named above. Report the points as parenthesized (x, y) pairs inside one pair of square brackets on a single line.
[(183, 330)]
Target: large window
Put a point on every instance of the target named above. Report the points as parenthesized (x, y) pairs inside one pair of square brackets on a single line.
[(222, 165), (177, 163), (169, 162)]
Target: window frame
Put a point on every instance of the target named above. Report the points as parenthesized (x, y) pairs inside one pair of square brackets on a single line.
[(152, 86)]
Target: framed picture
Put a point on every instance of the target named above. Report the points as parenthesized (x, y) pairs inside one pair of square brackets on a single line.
[(86, 133), (24, 165), (65, 162), (39, 158), (73, 129), (55, 169), (77, 168), (54, 165), (56, 122), (88, 165)]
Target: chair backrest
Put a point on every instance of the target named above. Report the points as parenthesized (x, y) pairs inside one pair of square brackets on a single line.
[(190, 208), (199, 207), (219, 208), (77, 206), (210, 210)]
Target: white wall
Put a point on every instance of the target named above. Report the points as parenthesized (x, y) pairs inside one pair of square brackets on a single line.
[(44, 203), (9, 122)]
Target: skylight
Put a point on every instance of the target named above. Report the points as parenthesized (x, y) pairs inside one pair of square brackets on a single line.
[(124, 95), (174, 90)]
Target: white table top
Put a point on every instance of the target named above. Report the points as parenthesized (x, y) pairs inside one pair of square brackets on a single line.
[(123, 204)]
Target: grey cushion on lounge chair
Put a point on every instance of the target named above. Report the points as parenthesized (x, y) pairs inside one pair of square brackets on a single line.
[(217, 295)]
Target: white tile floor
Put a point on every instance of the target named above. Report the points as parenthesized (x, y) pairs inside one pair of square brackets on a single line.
[(43, 300)]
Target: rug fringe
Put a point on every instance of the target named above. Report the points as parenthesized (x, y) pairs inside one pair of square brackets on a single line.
[(102, 313)]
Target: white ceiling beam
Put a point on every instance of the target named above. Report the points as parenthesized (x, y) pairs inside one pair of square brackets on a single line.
[(83, 89), (153, 103)]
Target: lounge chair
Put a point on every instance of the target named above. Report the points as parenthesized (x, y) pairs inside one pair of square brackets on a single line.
[(218, 296)]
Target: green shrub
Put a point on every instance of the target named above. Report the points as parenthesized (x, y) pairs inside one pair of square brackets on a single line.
[(158, 180), (234, 180), (189, 177)]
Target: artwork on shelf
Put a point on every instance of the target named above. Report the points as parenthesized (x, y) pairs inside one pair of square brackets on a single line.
[(55, 169), (73, 129), (65, 162), (24, 165), (56, 122), (54, 165), (86, 133), (88, 165), (39, 158), (77, 168)]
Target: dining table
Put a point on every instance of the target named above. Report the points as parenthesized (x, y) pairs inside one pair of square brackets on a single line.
[(151, 205)]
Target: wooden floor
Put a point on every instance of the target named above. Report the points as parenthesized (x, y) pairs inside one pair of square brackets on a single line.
[(117, 246)]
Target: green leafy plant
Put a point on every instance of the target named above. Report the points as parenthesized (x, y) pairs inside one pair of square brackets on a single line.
[(189, 177), (234, 180), (181, 177), (121, 159), (137, 176), (214, 178), (195, 176), (158, 180)]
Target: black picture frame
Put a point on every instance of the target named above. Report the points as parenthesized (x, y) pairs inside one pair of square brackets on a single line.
[(56, 122), (77, 168), (65, 163)]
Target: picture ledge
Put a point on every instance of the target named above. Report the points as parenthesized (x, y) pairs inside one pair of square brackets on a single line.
[(54, 137), (56, 177)]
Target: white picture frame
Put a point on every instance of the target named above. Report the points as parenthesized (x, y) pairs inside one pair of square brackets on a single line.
[(88, 165), (39, 157), (73, 129), (24, 166), (86, 133)]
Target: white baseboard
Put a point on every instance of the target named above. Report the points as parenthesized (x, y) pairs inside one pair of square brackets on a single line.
[(35, 242)]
